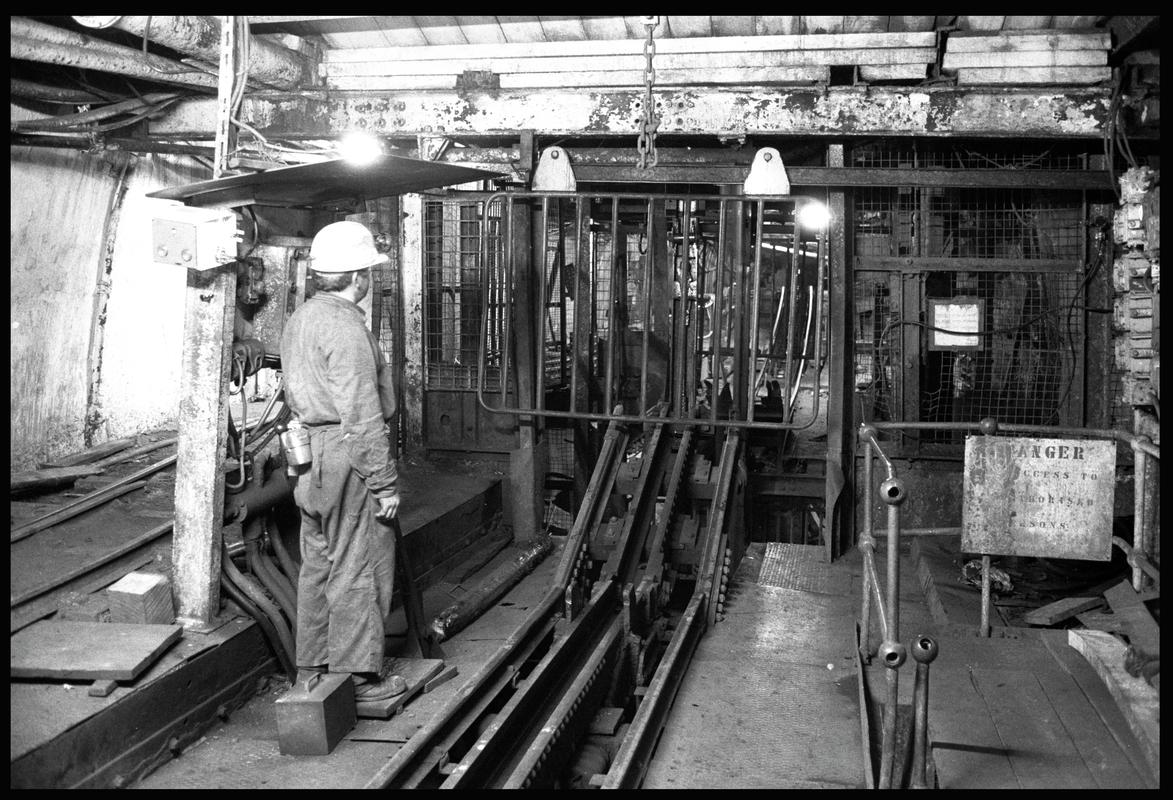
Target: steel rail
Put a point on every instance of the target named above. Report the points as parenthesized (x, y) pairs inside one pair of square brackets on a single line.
[(635, 753)]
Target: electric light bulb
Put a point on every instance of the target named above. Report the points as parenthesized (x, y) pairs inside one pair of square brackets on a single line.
[(360, 148), (814, 216)]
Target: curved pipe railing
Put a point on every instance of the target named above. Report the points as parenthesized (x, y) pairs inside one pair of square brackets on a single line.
[(886, 608), (1142, 448)]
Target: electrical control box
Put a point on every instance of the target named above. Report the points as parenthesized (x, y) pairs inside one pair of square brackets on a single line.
[(196, 238)]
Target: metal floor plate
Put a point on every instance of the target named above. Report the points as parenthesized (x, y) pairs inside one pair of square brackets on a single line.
[(797, 566)]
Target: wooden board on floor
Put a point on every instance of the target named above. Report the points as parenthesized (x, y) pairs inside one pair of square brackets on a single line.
[(91, 455), (416, 671), (68, 650), (48, 478), (1140, 702), (1060, 610)]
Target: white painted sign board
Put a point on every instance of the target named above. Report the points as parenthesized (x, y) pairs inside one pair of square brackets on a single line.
[(1048, 498)]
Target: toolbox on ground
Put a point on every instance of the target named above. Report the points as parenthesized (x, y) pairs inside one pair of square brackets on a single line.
[(314, 715)]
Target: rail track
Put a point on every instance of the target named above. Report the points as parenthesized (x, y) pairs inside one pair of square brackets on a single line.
[(610, 638)]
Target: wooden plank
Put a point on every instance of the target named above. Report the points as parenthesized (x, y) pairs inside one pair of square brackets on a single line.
[(1060, 610), (1108, 764), (894, 72), (102, 688), (1026, 58), (733, 25), (897, 24), (865, 24), (1078, 21), (1100, 621), (822, 24), (415, 672), (1140, 703), (90, 455), (635, 63), (566, 29), (1054, 75), (1098, 695), (1035, 40), (604, 28), (1040, 750), (969, 22), (664, 78), (775, 25), (440, 30), (523, 29), (481, 30), (49, 478), (688, 26), (42, 607), (1026, 23), (967, 749), (717, 44), (142, 598), (1143, 632), (88, 650)]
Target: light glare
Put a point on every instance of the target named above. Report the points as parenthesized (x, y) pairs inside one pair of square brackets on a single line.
[(360, 148), (814, 216)]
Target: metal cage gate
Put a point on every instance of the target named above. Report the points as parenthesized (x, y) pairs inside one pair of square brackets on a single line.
[(688, 309)]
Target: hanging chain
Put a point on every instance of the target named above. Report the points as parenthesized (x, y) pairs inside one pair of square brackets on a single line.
[(646, 144)]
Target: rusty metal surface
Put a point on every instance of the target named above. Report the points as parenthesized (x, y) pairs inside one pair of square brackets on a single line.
[(830, 111), (1048, 498)]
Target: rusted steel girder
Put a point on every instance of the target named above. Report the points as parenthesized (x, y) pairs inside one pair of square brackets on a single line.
[(199, 37), (836, 111)]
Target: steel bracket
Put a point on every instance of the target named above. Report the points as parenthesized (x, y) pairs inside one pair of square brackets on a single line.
[(767, 174), (554, 173)]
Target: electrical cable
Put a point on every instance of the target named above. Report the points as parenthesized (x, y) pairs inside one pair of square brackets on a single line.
[(254, 593), (237, 596)]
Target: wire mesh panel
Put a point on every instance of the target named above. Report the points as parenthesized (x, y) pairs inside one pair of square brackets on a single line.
[(1025, 369), (455, 257), (1015, 254), (960, 154)]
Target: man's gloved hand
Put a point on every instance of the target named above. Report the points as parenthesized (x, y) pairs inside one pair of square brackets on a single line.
[(388, 508)]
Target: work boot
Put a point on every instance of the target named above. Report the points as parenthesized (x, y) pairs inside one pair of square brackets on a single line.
[(370, 687)]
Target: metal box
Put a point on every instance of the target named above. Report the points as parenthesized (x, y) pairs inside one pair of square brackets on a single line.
[(314, 715)]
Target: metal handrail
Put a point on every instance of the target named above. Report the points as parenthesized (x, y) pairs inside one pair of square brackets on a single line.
[(1142, 448), (893, 493), (893, 653)]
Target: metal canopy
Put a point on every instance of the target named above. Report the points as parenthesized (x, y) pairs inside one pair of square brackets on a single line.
[(326, 182)]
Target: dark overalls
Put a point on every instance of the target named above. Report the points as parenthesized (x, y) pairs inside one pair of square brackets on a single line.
[(338, 385)]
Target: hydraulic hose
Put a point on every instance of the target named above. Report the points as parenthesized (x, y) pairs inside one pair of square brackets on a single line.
[(288, 565), (254, 593), (264, 571), (238, 597)]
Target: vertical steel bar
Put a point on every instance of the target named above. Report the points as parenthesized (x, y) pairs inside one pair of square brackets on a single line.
[(985, 623), (755, 289), (718, 325), (737, 297), (893, 565), (647, 312), (540, 262), (888, 748), (920, 725), (868, 545), (680, 346), (612, 301), (1140, 547), (507, 285)]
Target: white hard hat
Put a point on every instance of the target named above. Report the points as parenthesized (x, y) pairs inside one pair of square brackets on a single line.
[(344, 247)]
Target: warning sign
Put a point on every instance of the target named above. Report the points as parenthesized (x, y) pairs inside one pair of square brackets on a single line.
[(1049, 498)]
